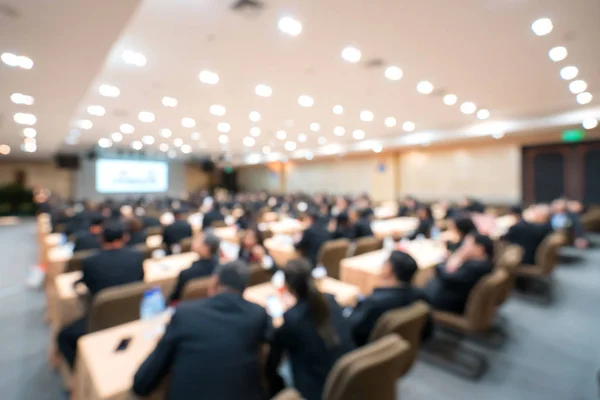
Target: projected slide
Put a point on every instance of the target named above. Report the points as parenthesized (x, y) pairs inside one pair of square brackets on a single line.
[(131, 176)]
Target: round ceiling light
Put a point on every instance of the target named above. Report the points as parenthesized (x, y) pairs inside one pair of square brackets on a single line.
[(584, 98), (223, 127), (322, 141), (577, 86), (116, 137), (358, 134), (425, 87), (166, 133), (178, 142), (263, 90), (217, 109), (169, 101), (468, 107), (366, 116), (339, 131), (338, 109), (127, 129), (542, 26), (109, 90), (393, 73), (390, 122), (97, 111), (208, 77), (223, 139), (315, 127), (255, 131), (450, 99), (290, 26), (483, 114), (26, 119), (590, 123), (188, 122), (351, 54), (290, 146), (249, 141), (104, 143), (254, 116), (408, 126), (306, 101), (146, 116), (281, 134), (29, 132), (558, 53), (568, 73)]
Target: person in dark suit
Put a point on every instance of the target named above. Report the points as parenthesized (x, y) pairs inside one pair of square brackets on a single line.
[(150, 221), (455, 279), (360, 223), (461, 225), (426, 222), (395, 291), (471, 205), (314, 335), (211, 346), (213, 215), (340, 227), (207, 246), (252, 250), (313, 238), (114, 265), (91, 239), (408, 207), (137, 234), (177, 231), (526, 235)]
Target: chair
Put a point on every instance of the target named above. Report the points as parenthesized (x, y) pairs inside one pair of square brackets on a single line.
[(591, 220), (331, 254), (74, 264), (186, 245), (218, 224), (408, 322), (196, 289), (366, 245), (509, 259), (145, 250), (154, 230), (258, 275), (117, 305)]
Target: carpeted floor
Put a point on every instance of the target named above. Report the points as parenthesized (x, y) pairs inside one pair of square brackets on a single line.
[(553, 352)]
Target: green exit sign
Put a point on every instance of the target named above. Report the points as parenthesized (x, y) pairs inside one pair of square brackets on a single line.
[(573, 135)]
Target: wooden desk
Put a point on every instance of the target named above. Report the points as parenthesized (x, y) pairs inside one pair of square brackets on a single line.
[(280, 252), (363, 271), (400, 226), (228, 233), (385, 212)]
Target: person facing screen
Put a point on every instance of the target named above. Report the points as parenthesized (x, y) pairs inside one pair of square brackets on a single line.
[(177, 231), (460, 226)]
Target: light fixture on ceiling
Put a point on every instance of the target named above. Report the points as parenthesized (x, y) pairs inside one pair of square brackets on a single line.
[(338, 109), (127, 129), (322, 141), (13, 60), (85, 124), (116, 137), (195, 135), (166, 132), (498, 135), (134, 58), (315, 127), (223, 127), (302, 137), (306, 101), (263, 90), (104, 143), (25, 119), (223, 139), (377, 148), (172, 153), (450, 99), (425, 87), (29, 147), (281, 134), (208, 77), (390, 122), (339, 131), (218, 110), (5, 149), (163, 147), (568, 73), (290, 26), (146, 116), (290, 146), (266, 150), (366, 116), (468, 107), (408, 126), (558, 53), (590, 123), (393, 73), (109, 90), (542, 26), (255, 131), (169, 101), (577, 86), (137, 145), (584, 98), (29, 141), (358, 134), (249, 141), (351, 54), (254, 116), (23, 99), (147, 139), (29, 132), (308, 155), (178, 142), (186, 149), (97, 111), (188, 122), (483, 114)]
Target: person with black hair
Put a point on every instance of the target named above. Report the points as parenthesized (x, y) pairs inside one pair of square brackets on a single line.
[(454, 280), (461, 225), (526, 235), (394, 291), (360, 223), (137, 234), (426, 222), (177, 231), (408, 206), (211, 346), (90, 240), (340, 227), (312, 238), (212, 215), (314, 334)]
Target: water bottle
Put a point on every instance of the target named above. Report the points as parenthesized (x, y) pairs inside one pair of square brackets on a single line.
[(152, 305), (435, 233)]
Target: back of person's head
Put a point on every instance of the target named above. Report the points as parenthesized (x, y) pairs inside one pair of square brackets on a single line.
[(402, 266), (299, 280), (517, 211), (97, 221), (134, 224), (353, 213), (424, 212), (312, 215), (212, 244), (464, 225), (113, 233), (484, 243), (342, 219), (178, 213), (233, 276)]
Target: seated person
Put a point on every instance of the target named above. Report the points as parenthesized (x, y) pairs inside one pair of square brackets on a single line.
[(137, 234), (150, 221), (460, 226), (313, 238), (340, 227), (246, 221), (526, 235), (472, 205), (91, 239), (314, 335), (177, 231), (212, 215), (454, 280), (394, 291), (408, 207), (563, 219), (114, 265), (426, 222), (211, 346), (252, 250), (207, 246), (360, 223)]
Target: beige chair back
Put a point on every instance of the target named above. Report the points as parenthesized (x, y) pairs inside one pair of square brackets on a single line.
[(366, 245), (370, 372), (408, 322), (331, 254), (186, 245), (74, 264), (117, 305), (591, 220), (509, 259), (154, 230), (482, 302), (258, 275), (546, 255), (145, 250), (197, 289), (218, 224)]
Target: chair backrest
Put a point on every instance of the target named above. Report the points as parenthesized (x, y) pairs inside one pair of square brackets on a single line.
[(116, 305), (218, 224), (370, 372), (509, 259), (145, 250), (546, 255), (408, 322), (367, 244), (591, 220), (74, 264), (481, 305), (258, 275), (154, 230), (197, 288), (331, 254), (186, 245)]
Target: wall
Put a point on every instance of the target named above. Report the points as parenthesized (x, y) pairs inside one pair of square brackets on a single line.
[(44, 174), (261, 177)]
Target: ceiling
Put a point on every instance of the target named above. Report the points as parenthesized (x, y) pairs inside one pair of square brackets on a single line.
[(484, 52)]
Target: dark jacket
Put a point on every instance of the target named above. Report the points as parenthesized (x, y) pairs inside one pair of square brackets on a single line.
[(424, 228), (136, 238), (87, 241), (211, 350), (199, 269), (362, 228), (109, 268), (310, 358), (210, 217), (176, 232), (150, 221), (528, 236), (312, 239)]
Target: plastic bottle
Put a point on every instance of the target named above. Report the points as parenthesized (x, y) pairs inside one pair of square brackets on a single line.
[(151, 306), (435, 233)]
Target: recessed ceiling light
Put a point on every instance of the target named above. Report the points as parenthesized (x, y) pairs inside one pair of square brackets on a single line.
[(255, 131), (254, 116), (133, 58), (166, 133), (393, 73), (366, 116), (468, 107), (424, 87), (315, 127), (208, 77), (290, 146), (116, 137), (322, 141), (137, 145), (147, 139), (85, 124), (169, 101), (290, 26), (97, 111), (568, 73), (590, 123), (266, 149), (25, 119), (188, 122), (29, 132), (577, 86), (146, 116), (281, 134), (223, 127), (358, 134), (339, 131), (29, 147), (71, 140), (542, 26), (408, 126), (308, 155), (483, 114), (109, 91), (338, 109), (172, 153), (450, 99), (195, 135), (306, 101), (186, 149), (223, 139), (498, 135), (584, 98), (104, 143), (302, 137), (29, 141), (390, 122), (13, 60), (19, 98), (263, 90), (163, 147), (558, 53), (217, 109), (178, 142), (351, 54), (127, 129), (249, 141), (5, 149), (377, 148)]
